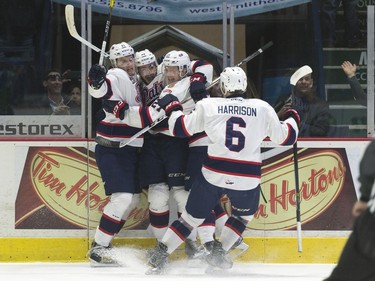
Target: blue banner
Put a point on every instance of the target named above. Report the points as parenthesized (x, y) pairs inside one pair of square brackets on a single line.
[(183, 10)]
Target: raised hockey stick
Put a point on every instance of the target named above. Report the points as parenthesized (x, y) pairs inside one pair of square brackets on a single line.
[(106, 31), (245, 60), (69, 18), (301, 72), (160, 119)]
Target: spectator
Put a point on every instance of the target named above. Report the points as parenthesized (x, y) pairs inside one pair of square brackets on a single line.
[(54, 104), (357, 91), (314, 112), (74, 99), (358, 256), (353, 36)]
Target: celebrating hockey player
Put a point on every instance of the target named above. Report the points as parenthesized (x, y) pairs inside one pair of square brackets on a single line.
[(118, 166), (164, 157), (236, 128)]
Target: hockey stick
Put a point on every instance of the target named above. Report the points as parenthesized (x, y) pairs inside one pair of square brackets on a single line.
[(106, 31), (301, 72), (141, 132), (69, 18), (245, 60), (157, 121)]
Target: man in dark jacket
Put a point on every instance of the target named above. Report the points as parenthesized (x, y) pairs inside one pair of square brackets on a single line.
[(314, 112)]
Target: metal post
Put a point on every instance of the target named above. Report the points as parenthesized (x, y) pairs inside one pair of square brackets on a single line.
[(231, 25), (225, 35), (85, 68), (370, 71)]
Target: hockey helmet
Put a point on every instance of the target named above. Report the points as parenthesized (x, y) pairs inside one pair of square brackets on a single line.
[(178, 58), (233, 79), (144, 57), (120, 50)]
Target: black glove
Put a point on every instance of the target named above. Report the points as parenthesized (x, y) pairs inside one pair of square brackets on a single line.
[(291, 113), (117, 108), (169, 103), (96, 76), (198, 86)]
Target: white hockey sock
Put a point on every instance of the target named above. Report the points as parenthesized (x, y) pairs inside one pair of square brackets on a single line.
[(206, 233), (228, 238), (158, 232), (172, 240), (219, 224), (102, 238)]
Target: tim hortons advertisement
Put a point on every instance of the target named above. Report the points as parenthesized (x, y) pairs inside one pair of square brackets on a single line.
[(61, 188)]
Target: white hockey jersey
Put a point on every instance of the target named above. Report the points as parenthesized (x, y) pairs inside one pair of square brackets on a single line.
[(119, 87), (181, 90), (236, 128)]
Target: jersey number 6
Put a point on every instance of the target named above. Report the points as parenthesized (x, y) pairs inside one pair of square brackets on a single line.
[(235, 140)]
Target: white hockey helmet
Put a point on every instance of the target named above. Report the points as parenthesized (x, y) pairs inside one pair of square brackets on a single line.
[(180, 59), (233, 79), (144, 57), (120, 50)]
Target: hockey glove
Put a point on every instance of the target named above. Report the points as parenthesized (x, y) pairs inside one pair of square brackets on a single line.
[(96, 76), (291, 113), (117, 108), (198, 86), (169, 103)]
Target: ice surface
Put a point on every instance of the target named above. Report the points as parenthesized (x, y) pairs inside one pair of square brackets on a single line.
[(134, 268)]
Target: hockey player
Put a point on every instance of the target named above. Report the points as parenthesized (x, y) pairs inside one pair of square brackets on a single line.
[(154, 159), (236, 128), (151, 79), (164, 157), (117, 166)]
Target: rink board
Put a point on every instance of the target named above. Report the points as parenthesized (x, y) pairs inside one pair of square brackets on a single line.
[(267, 250), (52, 198)]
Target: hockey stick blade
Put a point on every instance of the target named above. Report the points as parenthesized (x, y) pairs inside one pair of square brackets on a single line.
[(299, 73), (69, 18)]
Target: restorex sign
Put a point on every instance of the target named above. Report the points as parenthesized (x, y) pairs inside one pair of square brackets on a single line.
[(38, 126)]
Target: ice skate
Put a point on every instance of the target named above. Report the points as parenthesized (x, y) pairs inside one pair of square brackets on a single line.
[(101, 256), (192, 250), (238, 248), (194, 253), (216, 256), (158, 260)]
